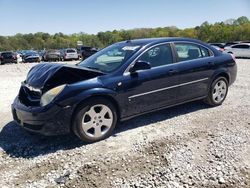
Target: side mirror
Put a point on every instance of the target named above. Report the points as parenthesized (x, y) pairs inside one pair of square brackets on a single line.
[(140, 65)]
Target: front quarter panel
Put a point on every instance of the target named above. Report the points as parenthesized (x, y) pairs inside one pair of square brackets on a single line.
[(74, 98)]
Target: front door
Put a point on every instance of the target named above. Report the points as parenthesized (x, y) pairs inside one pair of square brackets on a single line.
[(150, 89)]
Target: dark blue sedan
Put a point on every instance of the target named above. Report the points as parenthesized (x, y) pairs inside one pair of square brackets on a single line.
[(121, 81)]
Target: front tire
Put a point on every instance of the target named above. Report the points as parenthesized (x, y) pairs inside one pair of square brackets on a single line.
[(95, 120), (218, 92)]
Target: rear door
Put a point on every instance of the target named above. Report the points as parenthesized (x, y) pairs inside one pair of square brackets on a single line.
[(195, 66)]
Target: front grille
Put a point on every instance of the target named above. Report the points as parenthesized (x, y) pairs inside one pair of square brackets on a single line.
[(29, 97), (32, 59), (33, 127)]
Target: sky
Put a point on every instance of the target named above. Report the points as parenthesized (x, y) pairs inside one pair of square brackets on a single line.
[(93, 16)]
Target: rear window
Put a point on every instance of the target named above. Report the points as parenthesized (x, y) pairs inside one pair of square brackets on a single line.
[(71, 51), (7, 54), (53, 51), (86, 48)]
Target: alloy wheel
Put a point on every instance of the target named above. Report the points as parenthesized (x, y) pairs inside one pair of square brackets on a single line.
[(97, 121), (219, 91)]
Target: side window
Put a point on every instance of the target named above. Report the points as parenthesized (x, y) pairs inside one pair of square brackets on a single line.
[(158, 56), (190, 51), (241, 46), (236, 46), (204, 52)]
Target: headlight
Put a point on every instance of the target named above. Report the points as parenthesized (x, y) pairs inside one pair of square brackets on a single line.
[(51, 94)]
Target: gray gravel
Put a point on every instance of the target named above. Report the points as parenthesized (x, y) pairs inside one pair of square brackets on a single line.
[(191, 145)]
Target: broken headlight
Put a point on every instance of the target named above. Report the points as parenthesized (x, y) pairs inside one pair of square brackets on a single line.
[(51, 94)]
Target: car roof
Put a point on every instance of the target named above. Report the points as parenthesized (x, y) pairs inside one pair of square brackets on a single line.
[(146, 41), (248, 44), (7, 52)]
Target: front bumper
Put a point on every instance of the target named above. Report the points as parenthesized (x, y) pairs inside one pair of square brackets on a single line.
[(70, 57), (31, 60), (52, 120)]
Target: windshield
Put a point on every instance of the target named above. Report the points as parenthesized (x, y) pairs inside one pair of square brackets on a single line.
[(31, 53), (110, 58)]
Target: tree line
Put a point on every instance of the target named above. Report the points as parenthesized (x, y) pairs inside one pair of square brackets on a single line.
[(229, 30)]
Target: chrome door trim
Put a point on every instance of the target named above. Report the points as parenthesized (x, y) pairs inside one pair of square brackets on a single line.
[(166, 88)]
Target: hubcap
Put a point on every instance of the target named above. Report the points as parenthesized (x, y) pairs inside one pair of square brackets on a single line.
[(97, 121), (219, 91)]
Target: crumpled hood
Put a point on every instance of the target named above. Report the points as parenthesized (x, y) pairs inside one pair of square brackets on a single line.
[(48, 75), (40, 73)]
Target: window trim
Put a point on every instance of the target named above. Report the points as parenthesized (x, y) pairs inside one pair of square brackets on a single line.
[(174, 54)]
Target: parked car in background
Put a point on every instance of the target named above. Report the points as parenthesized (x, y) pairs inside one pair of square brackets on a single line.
[(246, 41), (52, 55), (69, 54), (120, 82), (218, 48), (41, 54), (239, 50), (231, 43), (8, 57), (22, 52), (220, 45), (86, 51), (31, 56)]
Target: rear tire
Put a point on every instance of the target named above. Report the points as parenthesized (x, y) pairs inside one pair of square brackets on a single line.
[(217, 92), (95, 120)]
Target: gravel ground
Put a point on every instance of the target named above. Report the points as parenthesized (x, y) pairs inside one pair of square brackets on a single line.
[(191, 145)]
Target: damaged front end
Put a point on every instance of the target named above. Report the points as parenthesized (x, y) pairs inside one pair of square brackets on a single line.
[(44, 82), (44, 77)]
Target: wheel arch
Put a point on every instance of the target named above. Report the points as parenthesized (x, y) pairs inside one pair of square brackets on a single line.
[(94, 96), (222, 74)]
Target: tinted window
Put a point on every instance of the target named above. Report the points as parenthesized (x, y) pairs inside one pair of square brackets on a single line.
[(86, 48), (158, 56), (7, 54), (190, 51), (241, 46), (71, 51)]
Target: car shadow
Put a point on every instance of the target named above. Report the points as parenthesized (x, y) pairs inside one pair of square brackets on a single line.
[(16, 142)]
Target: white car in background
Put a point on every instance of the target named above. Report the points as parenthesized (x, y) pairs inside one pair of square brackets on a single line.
[(239, 50), (70, 54)]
